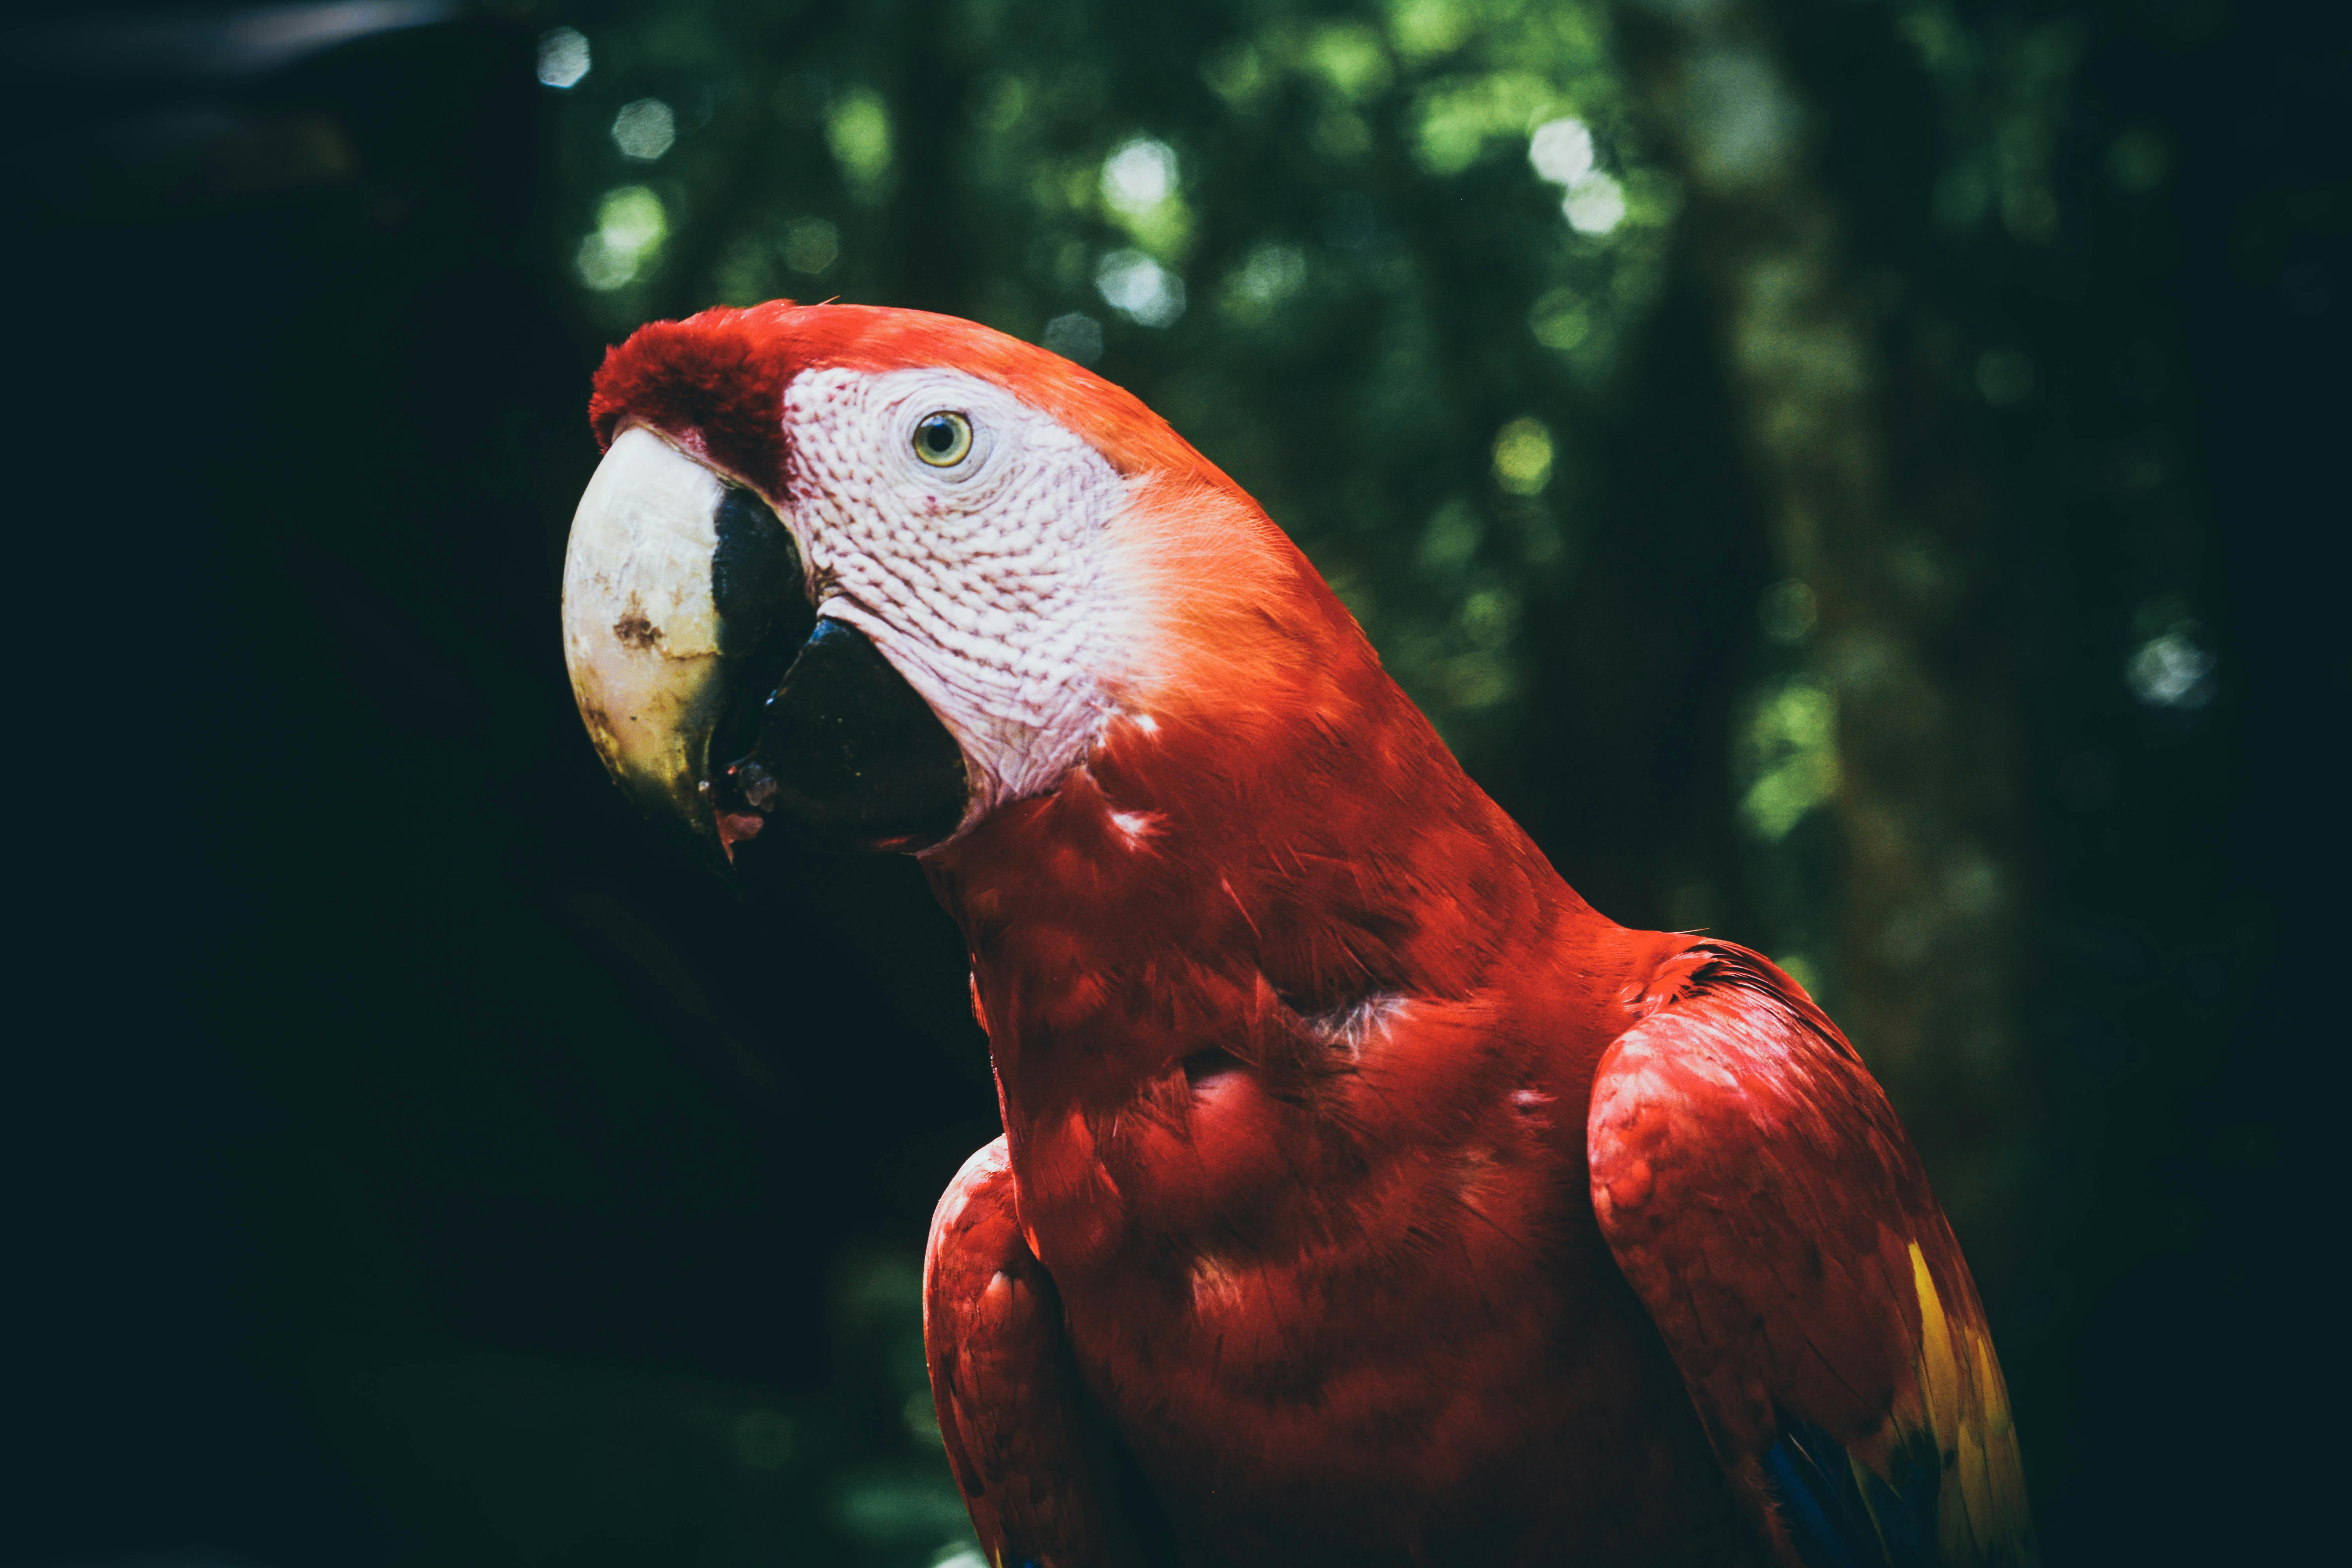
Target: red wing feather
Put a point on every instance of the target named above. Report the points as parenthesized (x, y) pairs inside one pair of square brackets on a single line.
[(1039, 1470), (1758, 1191)]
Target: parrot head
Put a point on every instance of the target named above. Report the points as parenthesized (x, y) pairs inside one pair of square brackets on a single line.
[(880, 572)]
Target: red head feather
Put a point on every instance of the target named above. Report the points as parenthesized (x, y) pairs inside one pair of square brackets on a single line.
[(717, 381), (1242, 610)]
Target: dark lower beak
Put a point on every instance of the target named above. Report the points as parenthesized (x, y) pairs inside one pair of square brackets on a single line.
[(847, 751)]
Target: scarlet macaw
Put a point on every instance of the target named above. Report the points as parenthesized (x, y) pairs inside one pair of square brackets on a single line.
[(1364, 1195)]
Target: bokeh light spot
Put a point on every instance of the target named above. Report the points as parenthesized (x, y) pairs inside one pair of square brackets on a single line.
[(1559, 319), (1523, 458), (857, 129), (631, 225), (2171, 671), (563, 57), (1741, 121), (1490, 617), (1561, 151), (1074, 336), (1349, 56), (1788, 613), (1236, 74), (1139, 288), (1791, 755), (1595, 205), (1424, 29), (1139, 176), (644, 129), (811, 245), (1452, 537), (889, 1509), (1270, 276), (1456, 118), (998, 101)]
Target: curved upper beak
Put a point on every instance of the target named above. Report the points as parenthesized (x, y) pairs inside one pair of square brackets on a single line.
[(714, 692), (640, 624)]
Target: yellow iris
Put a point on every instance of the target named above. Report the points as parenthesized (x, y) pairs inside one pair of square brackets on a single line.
[(941, 439)]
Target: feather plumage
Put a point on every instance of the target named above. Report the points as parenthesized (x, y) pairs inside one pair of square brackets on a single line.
[(1758, 1192), (1365, 1195)]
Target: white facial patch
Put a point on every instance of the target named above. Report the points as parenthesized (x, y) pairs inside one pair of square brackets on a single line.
[(986, 583)]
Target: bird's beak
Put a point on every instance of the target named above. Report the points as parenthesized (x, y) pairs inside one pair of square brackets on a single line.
[(715, 694)]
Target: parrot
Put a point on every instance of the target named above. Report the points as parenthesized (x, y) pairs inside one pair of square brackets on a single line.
[(1364, 1195)]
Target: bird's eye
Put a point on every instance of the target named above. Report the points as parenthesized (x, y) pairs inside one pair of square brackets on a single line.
[(941, 439)]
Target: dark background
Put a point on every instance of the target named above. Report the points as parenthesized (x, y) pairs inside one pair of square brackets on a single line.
[(416, 1158)]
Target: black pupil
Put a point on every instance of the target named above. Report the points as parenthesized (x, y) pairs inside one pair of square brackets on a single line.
[(937, 435)]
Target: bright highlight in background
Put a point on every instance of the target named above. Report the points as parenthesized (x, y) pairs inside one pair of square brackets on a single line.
[(1561, 151), (630, 228), (1139, 176), (1595, 205), (1523, 458), (857, 129), (563, 57), (1141, 289), (644, 129), (2171, 671)]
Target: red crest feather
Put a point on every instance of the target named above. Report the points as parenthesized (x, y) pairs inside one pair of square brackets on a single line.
[(716, 381)]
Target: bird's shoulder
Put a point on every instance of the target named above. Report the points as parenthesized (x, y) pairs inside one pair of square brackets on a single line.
[(1760, 1194)]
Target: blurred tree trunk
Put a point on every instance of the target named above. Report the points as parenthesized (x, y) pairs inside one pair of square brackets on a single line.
[(1883, 529)]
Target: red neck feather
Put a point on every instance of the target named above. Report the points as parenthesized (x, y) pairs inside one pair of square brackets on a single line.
[(1273, 839)]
